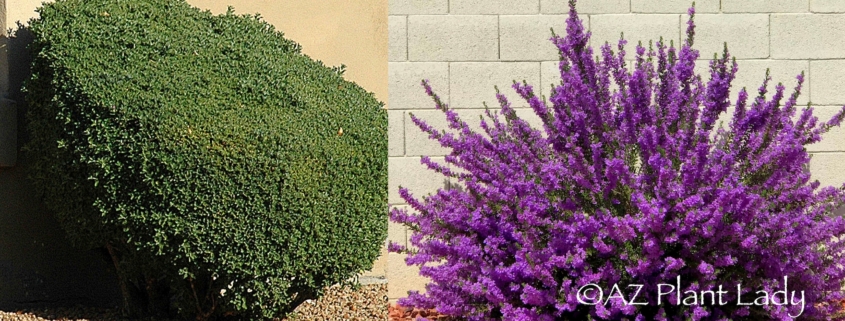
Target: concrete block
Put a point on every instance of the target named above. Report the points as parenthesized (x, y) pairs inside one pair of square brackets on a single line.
[(500, 7), (526, 38), (397, 30), (528, 115), (751, 74), (807, 36), (396, 7), (417, 142), (473, 118), (673, 6), (472, 83), (8, 133), (586, 6), (20, 11), (398, 233), (395, 133), (402, 278), (834, 140), (827, 6), (453, 38), (410, 173), (637, 27), (759, 6), (828, 168), (747, 35), (404, 84), (549, 75), (379, 270), (395, 233), (828, 77)]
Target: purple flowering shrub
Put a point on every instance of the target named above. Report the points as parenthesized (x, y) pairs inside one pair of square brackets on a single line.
[(630, 181)]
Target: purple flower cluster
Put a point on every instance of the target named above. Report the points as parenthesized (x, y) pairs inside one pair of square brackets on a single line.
[(629, 181)]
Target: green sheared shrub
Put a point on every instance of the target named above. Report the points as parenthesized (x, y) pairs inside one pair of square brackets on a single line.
[(227, 173)]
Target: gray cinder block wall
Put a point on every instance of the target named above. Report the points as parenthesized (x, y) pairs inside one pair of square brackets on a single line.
[(465, 47)]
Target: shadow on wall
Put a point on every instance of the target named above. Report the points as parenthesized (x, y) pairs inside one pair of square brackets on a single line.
[(38, 265)]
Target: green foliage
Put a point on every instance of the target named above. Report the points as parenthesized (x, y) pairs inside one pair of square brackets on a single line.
[(205, 150)]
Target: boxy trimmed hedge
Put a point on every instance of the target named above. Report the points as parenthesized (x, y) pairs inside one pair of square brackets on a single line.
[(227, 173)]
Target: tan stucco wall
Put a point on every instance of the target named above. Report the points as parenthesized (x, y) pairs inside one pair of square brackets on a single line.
[(336, 32), (37, 264), (20, 10)]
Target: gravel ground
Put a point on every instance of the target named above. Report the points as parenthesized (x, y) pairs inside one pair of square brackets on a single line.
[(368, 303), (79, 313)]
